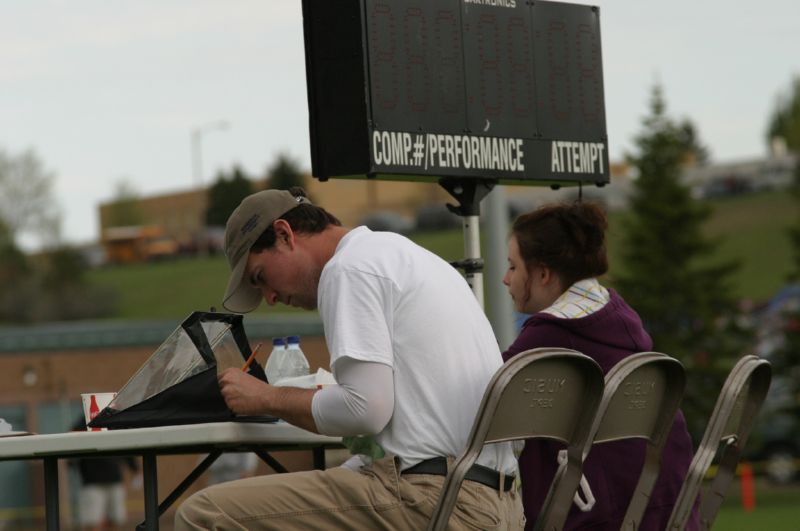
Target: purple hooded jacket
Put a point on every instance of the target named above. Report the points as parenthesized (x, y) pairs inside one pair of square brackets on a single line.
[(612, 469)]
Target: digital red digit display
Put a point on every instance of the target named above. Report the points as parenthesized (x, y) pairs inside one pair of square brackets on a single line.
[(421, 89)]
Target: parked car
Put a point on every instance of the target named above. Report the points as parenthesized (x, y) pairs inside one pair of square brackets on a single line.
[(776, 435), (436, 217), (725, 187), (386, 220)]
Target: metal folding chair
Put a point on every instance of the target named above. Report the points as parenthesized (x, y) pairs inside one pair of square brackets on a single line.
[(641, 397), (728, 428), (552, 393)]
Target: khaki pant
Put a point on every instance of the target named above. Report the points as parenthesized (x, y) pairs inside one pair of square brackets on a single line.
[(377, 497)]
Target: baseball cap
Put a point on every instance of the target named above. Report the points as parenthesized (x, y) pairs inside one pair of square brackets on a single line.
[(251, 218)]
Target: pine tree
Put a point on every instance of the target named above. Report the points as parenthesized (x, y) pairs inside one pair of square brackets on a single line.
[(667, 273), (785, 124), (284, 173), (794, 231), (225, 195), (785, 119)]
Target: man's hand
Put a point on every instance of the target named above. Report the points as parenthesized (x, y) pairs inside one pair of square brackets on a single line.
[(244, 394), (247, 395)]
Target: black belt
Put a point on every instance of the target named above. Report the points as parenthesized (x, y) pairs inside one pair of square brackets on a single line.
[(486, 476)]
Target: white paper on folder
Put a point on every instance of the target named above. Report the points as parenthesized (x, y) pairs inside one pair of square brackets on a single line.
[(309, 381)]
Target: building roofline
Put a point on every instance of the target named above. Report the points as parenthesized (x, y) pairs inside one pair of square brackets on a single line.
[(80, 335)]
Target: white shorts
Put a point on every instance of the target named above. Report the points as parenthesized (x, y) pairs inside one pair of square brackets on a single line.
[(100, 502)]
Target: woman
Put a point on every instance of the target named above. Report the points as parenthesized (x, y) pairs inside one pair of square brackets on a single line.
[(555, 255)]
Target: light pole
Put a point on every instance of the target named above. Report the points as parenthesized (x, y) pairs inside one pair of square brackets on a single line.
[(197, 147)]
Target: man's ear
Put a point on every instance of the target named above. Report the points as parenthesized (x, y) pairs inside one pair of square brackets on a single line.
[(284, 235)]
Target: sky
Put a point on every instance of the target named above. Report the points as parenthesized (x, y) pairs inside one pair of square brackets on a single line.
[(109, 91)]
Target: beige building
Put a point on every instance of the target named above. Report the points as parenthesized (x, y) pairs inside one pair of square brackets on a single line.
[(181, 214)]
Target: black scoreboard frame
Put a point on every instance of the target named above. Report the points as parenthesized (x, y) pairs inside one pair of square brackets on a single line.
[(509, 91)]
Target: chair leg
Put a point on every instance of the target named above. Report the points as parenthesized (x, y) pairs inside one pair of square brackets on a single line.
[(712, 497), (559, 500), (641, 494)]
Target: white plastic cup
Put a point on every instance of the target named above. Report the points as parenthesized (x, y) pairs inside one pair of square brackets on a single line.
[(90, 411)]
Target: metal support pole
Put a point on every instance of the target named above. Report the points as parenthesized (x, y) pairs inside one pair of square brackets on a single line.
[(319, 457), (52, 515), (472, 251), (469, 193), (185, 484), (270, 461), (197, 148), (500, 306), (197, 158), (150, 472)]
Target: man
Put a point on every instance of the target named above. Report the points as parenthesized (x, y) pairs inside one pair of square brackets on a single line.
[(412, 353)]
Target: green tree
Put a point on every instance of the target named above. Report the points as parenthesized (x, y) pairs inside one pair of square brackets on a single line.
[(13, 263), (65, 293), (785, 119), (697, 151), (124, 209), (794, 231), (284, 173), (667, 275), (785, 124), (225, 195), (51, 287), (26, 196)]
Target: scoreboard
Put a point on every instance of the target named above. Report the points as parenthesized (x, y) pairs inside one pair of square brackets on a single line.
[(508, 90)]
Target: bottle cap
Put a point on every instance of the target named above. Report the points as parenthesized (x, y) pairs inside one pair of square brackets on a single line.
[(293, 340), (277, 342)]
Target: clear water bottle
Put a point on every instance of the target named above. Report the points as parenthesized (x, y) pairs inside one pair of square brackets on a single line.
[(275, 362), (297, 364)]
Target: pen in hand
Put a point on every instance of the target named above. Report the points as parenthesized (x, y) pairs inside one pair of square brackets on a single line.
[(251, 358)]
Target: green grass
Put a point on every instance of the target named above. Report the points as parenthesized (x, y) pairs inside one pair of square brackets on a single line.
[(753, 229), (449, 244), (750, 228), (173, 289), (777, 509), (168, 289)]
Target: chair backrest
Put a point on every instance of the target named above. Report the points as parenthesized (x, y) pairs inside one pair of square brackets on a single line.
[(641, 397), (552, 393), (729, 426)]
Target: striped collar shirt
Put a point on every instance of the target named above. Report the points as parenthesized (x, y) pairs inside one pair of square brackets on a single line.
[(583, 298)]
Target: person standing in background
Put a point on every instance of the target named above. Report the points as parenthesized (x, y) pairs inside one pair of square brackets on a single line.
[(102, 496)]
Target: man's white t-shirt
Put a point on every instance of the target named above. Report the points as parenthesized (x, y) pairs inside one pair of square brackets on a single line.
[(384, 299)]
